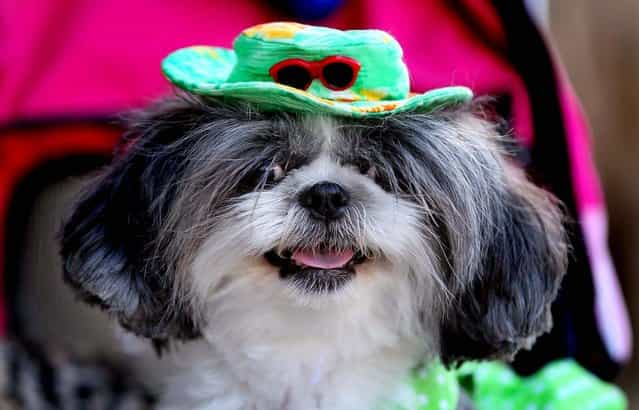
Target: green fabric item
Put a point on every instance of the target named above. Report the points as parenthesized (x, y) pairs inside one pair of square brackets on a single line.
[(380, 88), (430, 388), (561, 385)]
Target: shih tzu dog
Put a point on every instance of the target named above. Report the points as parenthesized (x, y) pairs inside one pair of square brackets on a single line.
[(314, 260)]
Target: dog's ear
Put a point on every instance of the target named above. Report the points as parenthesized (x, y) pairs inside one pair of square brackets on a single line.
[(506, 301), (109, 246)]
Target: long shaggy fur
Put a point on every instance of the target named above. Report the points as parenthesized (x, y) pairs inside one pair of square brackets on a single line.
[(464, 255)]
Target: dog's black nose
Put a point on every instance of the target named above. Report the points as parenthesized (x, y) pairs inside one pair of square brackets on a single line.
[(325, 200)]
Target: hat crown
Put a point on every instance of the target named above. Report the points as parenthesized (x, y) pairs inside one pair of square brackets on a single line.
[(299, 68), (383, 74)]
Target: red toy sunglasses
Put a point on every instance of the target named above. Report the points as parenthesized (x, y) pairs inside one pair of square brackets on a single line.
[(337, 73)]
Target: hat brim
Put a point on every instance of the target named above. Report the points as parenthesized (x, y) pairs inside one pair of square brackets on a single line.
[(204, 70)]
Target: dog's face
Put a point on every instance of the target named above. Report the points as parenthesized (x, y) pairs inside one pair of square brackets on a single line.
[(218, 210)]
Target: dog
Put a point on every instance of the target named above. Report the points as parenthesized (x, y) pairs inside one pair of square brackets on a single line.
[(312, 262)]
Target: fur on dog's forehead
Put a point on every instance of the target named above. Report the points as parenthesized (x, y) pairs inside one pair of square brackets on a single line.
[(240, 144), (290, 141)]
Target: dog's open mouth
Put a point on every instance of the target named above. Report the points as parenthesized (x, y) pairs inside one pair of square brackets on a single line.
[(316, 271)]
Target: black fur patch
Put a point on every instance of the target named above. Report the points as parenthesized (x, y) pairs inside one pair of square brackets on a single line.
[(108, 243), (507, 305)]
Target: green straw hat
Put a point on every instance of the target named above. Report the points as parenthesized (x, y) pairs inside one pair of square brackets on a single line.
[(300, 68)]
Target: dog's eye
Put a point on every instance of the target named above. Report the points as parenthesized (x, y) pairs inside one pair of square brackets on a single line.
[(262, 175), (270, 173), (365, 167), (372, 172), (274, 173)]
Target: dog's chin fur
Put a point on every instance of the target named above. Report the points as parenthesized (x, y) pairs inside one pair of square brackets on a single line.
[(185, 237)]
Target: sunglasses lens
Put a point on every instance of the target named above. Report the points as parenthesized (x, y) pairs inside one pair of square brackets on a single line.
[(338, 75), (294, 76)]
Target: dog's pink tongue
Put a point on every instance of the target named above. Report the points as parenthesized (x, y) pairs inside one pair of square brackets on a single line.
[(322, 260)]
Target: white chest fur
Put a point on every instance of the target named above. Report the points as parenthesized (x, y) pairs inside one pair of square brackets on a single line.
[(262, 353), (288, 376)]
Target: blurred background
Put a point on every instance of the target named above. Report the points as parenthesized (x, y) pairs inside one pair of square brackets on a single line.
[(599, 45), (69, 68)]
